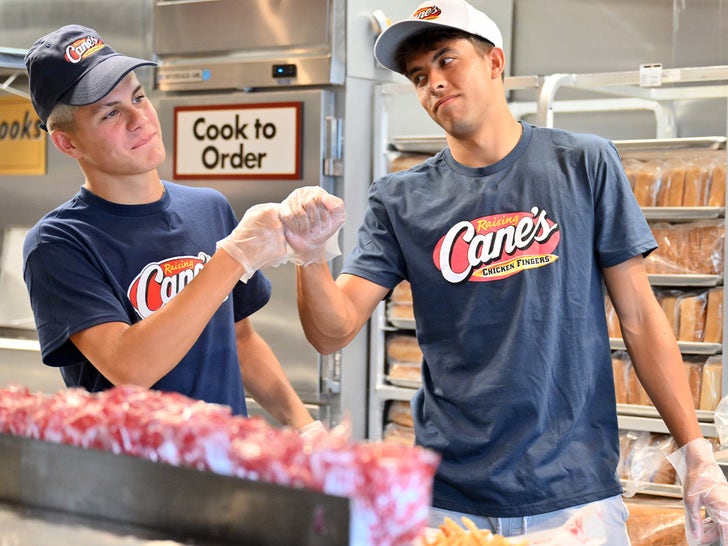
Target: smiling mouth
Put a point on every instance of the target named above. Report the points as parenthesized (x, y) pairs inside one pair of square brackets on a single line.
[(143, 141)]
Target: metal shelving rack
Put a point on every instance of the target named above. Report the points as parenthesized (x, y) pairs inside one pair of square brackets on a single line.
[(650, 88), (661, 87), (12, 71)]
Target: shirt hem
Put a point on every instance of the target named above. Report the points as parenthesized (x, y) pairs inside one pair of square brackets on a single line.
[(485, 510)]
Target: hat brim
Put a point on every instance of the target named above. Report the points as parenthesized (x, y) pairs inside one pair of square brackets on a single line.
[(101, 79), (387, 44)]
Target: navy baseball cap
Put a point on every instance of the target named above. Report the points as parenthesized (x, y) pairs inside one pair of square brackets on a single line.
[(73, 65)]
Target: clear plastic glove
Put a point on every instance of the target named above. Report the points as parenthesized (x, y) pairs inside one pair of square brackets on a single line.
[(258, 240), (704, 485), (312, 218), (312, 430)]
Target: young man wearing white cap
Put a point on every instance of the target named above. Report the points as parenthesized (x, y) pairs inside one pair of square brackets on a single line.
[(135, 280), (508, 237)]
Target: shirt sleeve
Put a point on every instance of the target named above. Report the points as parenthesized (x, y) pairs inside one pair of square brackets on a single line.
[(377, 256), (251, 296), (622, 232), (68, 294)]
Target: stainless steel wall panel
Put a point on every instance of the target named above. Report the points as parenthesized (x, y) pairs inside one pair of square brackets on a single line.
[(309, 36), (278, 24)]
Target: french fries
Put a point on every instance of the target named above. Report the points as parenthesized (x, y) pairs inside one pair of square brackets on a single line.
[(452, 534)]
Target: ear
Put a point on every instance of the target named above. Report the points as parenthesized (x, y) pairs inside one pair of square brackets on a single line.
[(497, 62), (64, 143)]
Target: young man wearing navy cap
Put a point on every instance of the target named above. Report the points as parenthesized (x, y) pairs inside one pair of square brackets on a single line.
[(508, 237), (136, 280)]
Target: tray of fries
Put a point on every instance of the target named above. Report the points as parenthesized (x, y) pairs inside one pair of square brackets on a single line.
[(585, 527), (452, 534)]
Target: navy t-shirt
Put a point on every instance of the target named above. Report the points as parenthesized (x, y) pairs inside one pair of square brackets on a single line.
[(91, 261), (505, 266)]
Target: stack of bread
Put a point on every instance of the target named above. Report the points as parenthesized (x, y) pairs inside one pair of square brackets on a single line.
[(399, 427), (696, 180), (404, 359), (705, 376), (687, 248), (399, 308), (695, 315), (642, 458), (403, 364), (656, 522)]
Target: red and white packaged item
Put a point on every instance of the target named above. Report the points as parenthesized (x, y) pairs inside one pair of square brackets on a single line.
[(389, 486)]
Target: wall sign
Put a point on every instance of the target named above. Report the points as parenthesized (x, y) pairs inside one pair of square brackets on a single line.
[(238, 141), (22, 142)]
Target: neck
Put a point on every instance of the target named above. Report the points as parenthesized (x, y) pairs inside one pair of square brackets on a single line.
[(488, 146), (137, 190)]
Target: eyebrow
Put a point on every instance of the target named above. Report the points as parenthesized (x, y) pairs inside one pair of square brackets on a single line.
[(109, 104), (436, 55)]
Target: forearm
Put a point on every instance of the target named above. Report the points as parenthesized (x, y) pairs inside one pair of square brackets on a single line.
[(659, 367), (266, 382), (652, 347), (327, 315), (143, 353)]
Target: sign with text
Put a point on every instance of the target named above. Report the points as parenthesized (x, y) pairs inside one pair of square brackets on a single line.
[(22, 141), (238, 141)]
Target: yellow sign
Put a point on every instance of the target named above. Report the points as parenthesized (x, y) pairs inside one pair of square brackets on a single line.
[(22, 141)]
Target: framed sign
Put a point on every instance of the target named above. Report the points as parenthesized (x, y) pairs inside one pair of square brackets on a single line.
[(238, 141), (22, 141)]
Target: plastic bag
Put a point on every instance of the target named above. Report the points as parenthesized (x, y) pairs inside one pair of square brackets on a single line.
[(645, 462), (585, 528)]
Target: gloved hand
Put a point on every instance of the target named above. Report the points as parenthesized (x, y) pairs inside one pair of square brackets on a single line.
[(704, 484), (312, 430), (312, 218), (258, 240)]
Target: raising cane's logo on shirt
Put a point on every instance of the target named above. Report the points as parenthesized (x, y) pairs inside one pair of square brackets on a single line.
[(159, 282), (498, 246)]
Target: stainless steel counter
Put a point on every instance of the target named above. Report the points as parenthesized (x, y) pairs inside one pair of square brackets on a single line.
[(119, 497), (38, 527)]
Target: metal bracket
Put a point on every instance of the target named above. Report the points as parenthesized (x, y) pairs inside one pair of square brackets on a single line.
[(12, 67), (333, 146)]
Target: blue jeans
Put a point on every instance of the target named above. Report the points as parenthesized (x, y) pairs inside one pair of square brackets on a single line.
[(613, 511)]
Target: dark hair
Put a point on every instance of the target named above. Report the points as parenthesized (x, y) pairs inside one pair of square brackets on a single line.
[(429, 38)]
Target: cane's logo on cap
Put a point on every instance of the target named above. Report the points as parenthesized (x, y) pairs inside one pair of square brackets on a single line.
[(427, 13), (82, 48)]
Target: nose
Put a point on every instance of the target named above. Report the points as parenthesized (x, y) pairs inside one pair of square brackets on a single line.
[(436, 80), (135, 119)]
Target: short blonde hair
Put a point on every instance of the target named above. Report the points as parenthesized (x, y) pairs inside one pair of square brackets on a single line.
[(61, 117)]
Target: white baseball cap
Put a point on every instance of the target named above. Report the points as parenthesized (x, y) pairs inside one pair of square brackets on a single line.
[(456, 14)]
